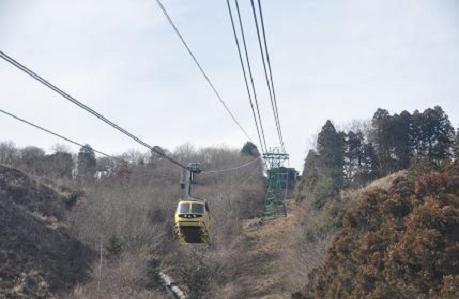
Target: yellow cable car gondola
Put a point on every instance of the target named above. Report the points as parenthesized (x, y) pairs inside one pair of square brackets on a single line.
[(192, 217), (192, 221)]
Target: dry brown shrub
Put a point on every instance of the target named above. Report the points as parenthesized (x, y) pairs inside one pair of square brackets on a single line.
[(398, 243)]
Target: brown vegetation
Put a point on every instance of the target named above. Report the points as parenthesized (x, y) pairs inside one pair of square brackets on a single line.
[(400, 243), (124, 213), (137, 208)]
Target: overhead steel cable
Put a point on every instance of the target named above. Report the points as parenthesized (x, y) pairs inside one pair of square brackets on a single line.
[(158, 150), (233, 168), (206, 77), (268, 84), (249, 68), (53, 133), (68, 97), (268, 59), (105, 154), (261, 135)]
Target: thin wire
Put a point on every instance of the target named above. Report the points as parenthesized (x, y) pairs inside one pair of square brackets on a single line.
[(250, 72), (102, 153), (268, 59), (171, 22), (233, 168), (266, 72), (53, 133), (262, 141), (68, 97)]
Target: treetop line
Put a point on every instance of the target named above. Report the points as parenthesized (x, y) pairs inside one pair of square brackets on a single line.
[(393, 142)]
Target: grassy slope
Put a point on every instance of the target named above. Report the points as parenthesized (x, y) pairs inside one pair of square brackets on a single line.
[(265, 264)]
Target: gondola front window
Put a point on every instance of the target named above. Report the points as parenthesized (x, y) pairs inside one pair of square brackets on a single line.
[(184, 208), (197, 208)]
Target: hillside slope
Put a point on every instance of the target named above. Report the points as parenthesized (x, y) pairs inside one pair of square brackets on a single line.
[(265, 265), (277, 258), (399, 243), (37, 255)]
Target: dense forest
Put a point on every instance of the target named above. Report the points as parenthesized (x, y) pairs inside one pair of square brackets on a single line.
[(350, 159)]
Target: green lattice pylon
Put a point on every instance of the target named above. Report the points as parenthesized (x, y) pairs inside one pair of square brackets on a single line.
[(275, 194)]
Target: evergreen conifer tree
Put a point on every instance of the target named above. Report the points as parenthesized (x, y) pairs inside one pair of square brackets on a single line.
[(250, 149), (330, 147), (114, 246), (402, 139), (382, 138), (86, 164)]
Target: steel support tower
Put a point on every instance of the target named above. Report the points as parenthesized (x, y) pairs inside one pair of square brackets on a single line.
[(274, 205)]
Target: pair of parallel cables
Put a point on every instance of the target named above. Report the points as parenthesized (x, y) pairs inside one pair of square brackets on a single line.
[(264, 52)]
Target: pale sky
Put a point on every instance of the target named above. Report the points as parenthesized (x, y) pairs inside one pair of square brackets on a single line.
[(331, 59)]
